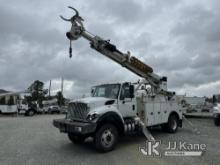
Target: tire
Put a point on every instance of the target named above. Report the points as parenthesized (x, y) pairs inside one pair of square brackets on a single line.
[(106, 138), (77, 139), (30, 112), (172, 125)]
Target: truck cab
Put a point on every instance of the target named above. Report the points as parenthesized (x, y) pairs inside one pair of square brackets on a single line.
[(119, 95)]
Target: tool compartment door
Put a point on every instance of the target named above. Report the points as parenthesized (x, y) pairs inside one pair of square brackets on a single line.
[(164, 109), (153, 113), (149, 112), (157, 110)]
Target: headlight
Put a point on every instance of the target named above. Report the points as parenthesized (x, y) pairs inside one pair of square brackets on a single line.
[(93, 116)]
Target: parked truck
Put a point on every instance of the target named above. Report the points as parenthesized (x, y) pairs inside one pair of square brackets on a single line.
[(118, 109), (28, 109)]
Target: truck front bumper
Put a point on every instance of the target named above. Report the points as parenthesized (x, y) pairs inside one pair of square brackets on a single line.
[(76, 127)]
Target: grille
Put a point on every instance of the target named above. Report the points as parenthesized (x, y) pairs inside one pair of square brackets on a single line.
[(78, 110)]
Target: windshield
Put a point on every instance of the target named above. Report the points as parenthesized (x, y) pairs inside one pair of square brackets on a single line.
[(109, 91)]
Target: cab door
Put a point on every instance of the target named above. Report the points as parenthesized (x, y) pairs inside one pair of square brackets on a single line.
[(126, 101)]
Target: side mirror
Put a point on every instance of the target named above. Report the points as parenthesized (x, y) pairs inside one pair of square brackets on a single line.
[(131, 91)]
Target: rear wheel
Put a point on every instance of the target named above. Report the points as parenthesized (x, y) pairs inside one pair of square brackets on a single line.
[(106, 138), (30, 112), (77, 139), (172, 125)]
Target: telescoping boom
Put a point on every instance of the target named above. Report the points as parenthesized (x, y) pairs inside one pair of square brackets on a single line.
[(109, 50)]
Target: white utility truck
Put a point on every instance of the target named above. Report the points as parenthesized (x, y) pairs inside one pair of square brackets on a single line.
[(117, 109), (28, 109)]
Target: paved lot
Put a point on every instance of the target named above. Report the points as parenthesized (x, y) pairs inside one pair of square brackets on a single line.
[(33, 140)]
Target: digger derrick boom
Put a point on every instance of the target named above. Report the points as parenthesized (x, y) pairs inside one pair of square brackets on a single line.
[(109, 50)]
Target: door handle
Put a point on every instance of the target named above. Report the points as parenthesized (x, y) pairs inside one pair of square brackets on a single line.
[(158, 112), (151, 113)]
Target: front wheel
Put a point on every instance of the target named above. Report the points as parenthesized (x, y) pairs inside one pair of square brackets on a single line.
[(106, 138), (30, 112), (172, 125)]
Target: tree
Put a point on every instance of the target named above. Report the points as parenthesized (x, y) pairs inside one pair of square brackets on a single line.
[(37, 91), (60, 98)]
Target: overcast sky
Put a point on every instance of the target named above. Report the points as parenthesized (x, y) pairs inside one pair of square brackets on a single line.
[(180, 39)]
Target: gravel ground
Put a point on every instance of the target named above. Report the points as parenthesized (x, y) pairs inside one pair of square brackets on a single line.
[(34, 140)]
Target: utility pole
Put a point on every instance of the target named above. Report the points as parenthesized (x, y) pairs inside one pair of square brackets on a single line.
[(49, 88), (62, 85)]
